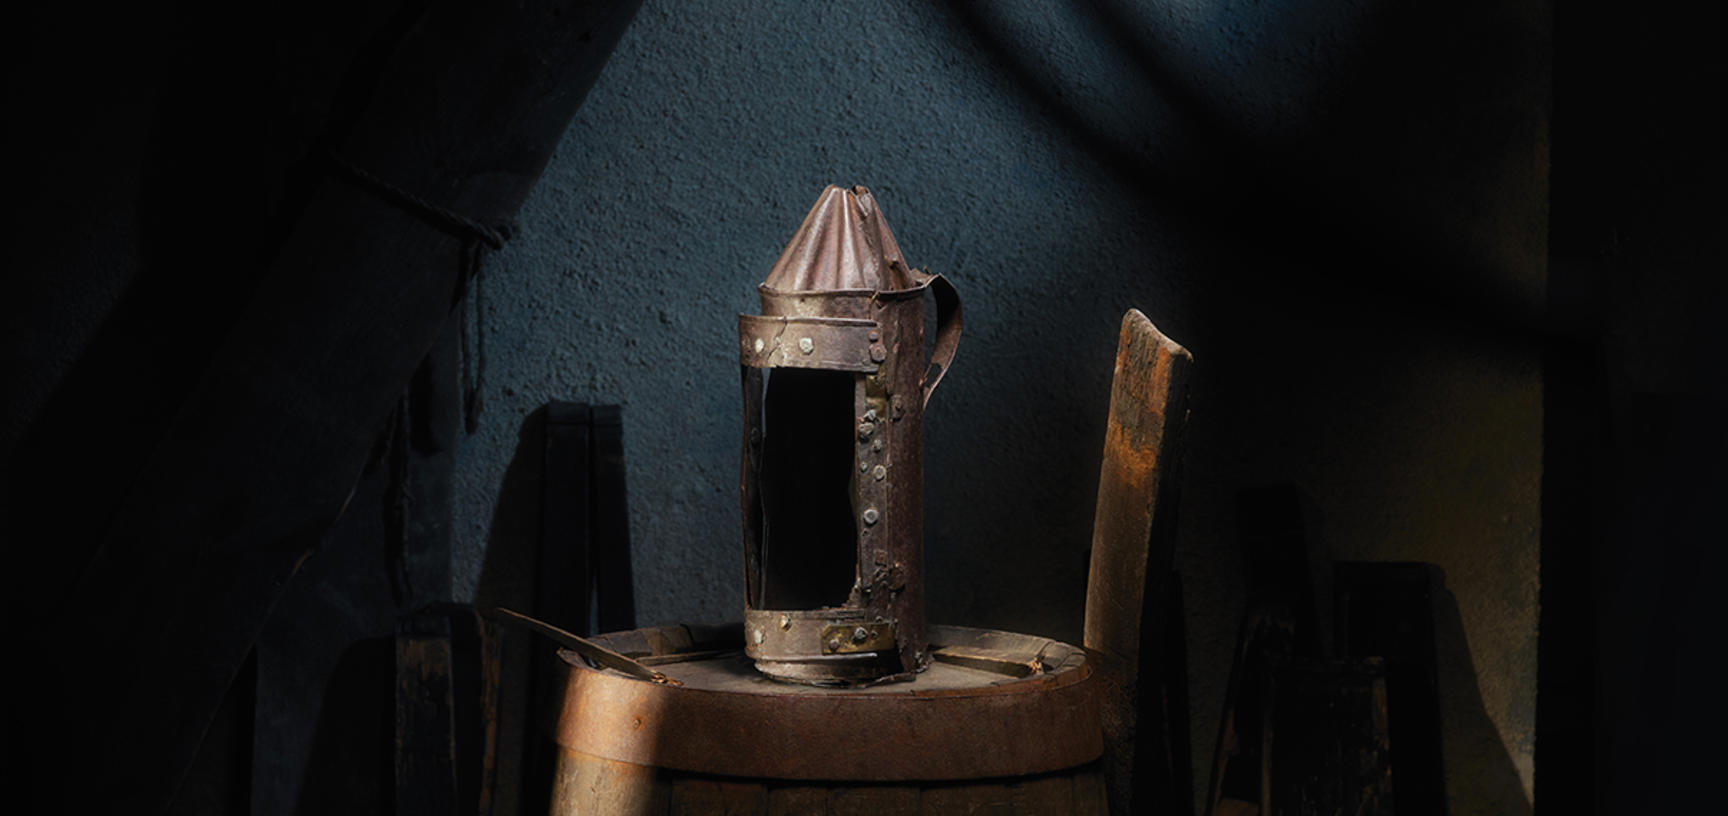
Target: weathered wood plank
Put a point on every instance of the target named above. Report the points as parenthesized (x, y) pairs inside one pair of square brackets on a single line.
[(874, 800), (426, 756), (442, 761), (988, 799), (1044, 794), (584, 784), (1090, 796), (798, 800), (1133, 537), (719, 797)]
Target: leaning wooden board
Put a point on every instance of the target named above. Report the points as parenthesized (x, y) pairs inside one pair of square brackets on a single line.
[(1128, 589)]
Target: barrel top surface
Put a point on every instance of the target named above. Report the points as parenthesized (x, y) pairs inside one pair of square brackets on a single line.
[(736, 673), (991, 704)]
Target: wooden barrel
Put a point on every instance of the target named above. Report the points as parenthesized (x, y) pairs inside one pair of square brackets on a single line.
[(999, 723)]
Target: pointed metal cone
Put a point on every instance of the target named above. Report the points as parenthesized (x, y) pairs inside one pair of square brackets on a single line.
[(844, 244)]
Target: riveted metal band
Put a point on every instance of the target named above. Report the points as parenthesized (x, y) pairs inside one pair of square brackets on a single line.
[(822, 646), (835, 344)]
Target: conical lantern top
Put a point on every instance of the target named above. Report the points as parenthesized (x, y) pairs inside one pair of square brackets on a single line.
[(844, 245)]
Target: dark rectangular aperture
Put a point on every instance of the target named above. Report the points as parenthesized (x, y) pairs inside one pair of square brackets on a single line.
[(809, 534)]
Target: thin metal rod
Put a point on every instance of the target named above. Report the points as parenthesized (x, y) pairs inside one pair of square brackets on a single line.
[(601, 655)]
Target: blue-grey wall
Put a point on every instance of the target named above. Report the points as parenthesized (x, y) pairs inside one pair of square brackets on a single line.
[(1340, 208)]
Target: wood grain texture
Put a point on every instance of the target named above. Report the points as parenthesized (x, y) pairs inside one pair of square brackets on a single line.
[(1132, 546), (798, 800), (875, 800), (692, 794), (585, 784), (1044, 794)]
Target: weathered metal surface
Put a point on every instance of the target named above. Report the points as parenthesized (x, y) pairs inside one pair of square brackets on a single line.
[(954, 723), (1132, 544), (864, 637), (840, 302), (749, 490), (834, 343), (769, 633)]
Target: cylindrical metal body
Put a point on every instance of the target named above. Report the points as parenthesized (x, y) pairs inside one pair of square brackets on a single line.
[(832, 474)]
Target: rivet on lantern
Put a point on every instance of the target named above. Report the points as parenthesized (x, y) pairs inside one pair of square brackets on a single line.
[(870, 515), (806, 345), (879, 473)]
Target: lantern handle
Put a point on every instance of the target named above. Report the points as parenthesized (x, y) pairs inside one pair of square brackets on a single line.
[(947, 333)]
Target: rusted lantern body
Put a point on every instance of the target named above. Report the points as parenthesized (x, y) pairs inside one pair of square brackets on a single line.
[(835, 382)]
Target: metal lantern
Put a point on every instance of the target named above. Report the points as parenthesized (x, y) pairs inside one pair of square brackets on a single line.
[(835, 383)]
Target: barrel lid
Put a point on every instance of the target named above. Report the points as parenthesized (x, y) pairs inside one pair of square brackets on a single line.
[(991, 704)]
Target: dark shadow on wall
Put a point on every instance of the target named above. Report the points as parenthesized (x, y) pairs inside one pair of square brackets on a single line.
[(507, 577), (1398, 157), (1445, 753), (507, 569), (1401, 200), (1481, 778)]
